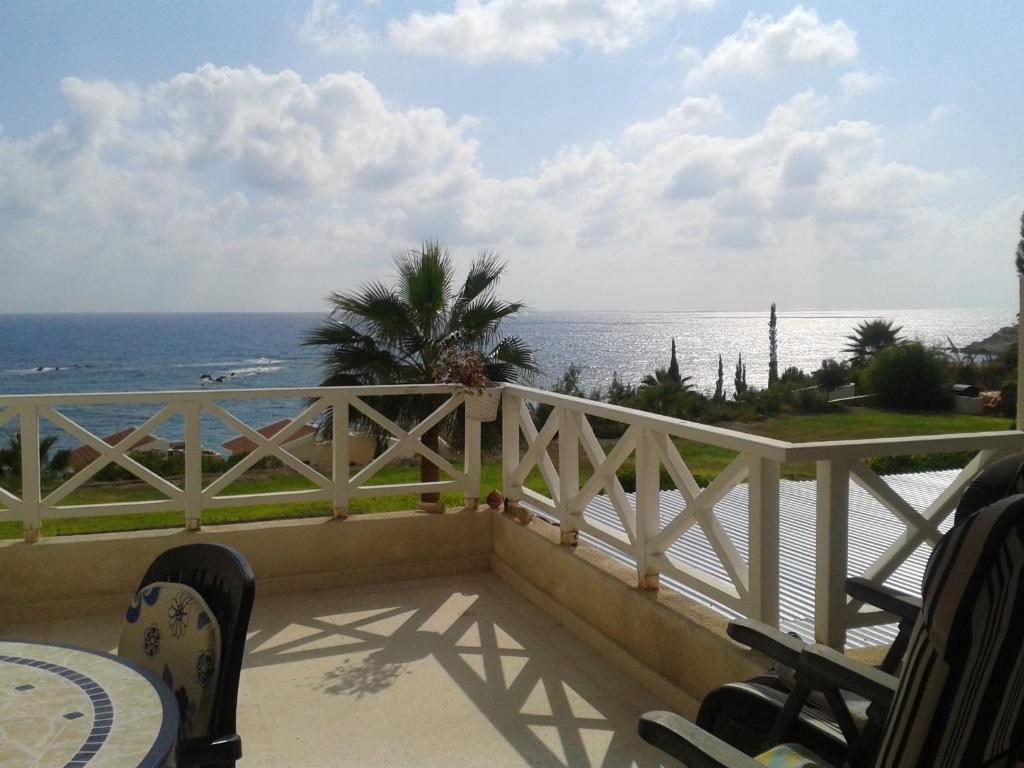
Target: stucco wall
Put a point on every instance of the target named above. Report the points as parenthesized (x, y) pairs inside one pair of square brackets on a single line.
[(672, 645), (77, 574), (679, 640)]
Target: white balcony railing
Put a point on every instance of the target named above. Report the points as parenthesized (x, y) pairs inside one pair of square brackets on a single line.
[(744, 578), (648, 526), (192, 497)]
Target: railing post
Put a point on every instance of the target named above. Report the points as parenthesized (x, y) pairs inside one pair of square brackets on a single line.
[(568, 475), (471, 463), (193, 466), (510, 405), (831, 541), (31, 486), (648, 508), (763, 522), (339, 457)]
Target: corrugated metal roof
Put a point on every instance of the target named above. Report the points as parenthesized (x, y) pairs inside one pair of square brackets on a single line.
[(872, 529)]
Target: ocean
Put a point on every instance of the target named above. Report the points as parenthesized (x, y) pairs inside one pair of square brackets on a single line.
[(65, 353)]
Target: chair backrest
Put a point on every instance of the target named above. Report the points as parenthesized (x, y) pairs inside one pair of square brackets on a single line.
[(959, 701), (221, 575), (171, 631), (996, 481)]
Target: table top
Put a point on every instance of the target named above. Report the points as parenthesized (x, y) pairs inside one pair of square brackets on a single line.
[(71, 707)]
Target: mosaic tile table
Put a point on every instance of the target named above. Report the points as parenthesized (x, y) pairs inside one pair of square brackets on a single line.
[(72, 708)]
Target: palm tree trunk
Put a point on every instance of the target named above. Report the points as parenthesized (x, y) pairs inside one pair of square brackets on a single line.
[(429, 473)]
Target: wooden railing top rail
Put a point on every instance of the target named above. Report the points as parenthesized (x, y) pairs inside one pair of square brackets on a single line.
[(780, 450), (837, 450), (765, 447), (188, 395)]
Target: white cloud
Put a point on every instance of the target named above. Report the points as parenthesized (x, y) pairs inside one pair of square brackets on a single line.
[(860, 82), (942, 112), (532, 30), (764, 45), (330, 30), (240, 189), (693, 114), (276, 133)]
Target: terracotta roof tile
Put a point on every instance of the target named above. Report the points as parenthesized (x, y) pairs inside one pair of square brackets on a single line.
[(242, 444), (85, 454)]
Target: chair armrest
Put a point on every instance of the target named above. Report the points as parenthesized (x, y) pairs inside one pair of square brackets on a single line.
[(887, 599), (821, 668), (223, 749), (767, 640), (691, 745)]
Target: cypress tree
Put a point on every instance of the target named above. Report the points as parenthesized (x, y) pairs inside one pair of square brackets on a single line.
[(673, 364), (773, 349), (1020, 249), (720, 384), (740, 379)]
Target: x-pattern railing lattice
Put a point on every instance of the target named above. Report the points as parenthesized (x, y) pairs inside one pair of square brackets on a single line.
[(192, 496), (642, 535)]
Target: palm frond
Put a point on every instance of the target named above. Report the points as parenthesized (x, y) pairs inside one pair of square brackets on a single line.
[(511, 360), (483, 276), (425, 283), (481, 319), (376, 310)]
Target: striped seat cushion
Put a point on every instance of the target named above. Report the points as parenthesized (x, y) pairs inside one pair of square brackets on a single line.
[(960, 697), (790, 756)]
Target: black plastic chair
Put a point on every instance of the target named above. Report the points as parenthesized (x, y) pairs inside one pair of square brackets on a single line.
[(221, 575), (742, 714), (959, 699)]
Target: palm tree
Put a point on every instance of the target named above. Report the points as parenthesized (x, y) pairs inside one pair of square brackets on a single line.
[(662, 393), (871, 337), (49, 466), (399, 333)]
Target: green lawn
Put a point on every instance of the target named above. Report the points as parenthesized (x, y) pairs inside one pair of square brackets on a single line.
[(864, 423), (704, 461)]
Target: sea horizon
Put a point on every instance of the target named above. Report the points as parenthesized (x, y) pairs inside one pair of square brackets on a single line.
[(864, 311), (64, 353)]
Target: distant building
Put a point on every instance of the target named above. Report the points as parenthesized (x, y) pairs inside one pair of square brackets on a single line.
[(304, 446), (84, 455), (299, 445)]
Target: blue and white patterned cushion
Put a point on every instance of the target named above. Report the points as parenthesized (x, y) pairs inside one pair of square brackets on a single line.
[(170, 630)]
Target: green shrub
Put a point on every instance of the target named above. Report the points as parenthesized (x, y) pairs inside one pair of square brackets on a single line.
[(794, 375), (1008, 400), (627, 476), (918, 462), (987, 376), (909, 376), (165, 464), (832, 374)]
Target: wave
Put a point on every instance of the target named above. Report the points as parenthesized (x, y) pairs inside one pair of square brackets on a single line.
[(239, 373), (215, 364), (255, 370), (45, 369), (30, 371), (229, 364)]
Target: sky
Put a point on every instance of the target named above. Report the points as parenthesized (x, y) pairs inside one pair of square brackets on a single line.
[(619, 155)]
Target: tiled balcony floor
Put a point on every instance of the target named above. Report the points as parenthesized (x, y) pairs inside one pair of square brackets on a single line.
[(457, 671)]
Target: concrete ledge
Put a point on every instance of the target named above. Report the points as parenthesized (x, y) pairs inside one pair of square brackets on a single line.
[(77, 575), (682, 642)]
